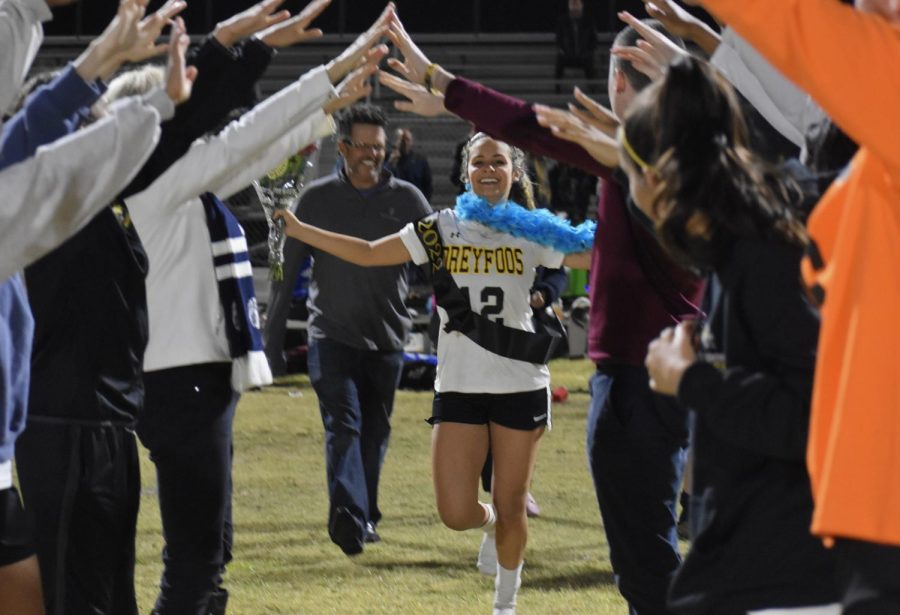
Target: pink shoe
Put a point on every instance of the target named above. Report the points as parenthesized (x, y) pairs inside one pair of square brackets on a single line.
[(531, 506)]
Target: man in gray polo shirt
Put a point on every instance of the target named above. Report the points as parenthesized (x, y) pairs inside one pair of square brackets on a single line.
[(358, 322)]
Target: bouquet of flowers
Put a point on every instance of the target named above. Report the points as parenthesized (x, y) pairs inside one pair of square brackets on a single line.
[(280, 189)]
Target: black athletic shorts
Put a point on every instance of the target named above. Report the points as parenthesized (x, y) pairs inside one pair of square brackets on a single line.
[(525, 411), (15, 529)]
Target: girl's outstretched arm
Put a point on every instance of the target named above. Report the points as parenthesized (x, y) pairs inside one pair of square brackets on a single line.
[(388, 250)]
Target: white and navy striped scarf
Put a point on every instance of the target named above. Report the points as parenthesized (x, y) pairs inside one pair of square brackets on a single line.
[(231, 260)]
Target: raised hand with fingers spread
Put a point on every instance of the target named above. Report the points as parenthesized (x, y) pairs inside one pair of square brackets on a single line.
[(257, 18), (361, 50), (643, 60), (415, 66), (179, 77), (103, 52), (356, 85), (579, 129), (420, 100), (139, 43), (594, 113), (681, 23), (294, 30), (660, 48)]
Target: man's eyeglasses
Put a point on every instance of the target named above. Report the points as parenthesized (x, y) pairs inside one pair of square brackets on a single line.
[(373, 146)]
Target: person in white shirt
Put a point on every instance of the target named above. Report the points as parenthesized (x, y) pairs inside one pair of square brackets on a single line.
[(482, 395), (193, 376)]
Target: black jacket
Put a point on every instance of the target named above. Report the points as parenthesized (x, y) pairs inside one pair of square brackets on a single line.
[(750, 395), (88, 296)]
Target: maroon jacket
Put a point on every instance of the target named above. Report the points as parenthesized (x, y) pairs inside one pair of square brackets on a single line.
[(635, 289)]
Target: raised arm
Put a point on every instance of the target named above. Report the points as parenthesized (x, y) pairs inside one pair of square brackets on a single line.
[(57, 109), (20, 37), (386, 251), (509, 119), (50, 196), (272, 131), (785, 106), (316, 125), (844, 58), (207, 165)]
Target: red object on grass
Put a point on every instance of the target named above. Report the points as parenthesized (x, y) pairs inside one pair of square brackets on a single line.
[(560, 394)]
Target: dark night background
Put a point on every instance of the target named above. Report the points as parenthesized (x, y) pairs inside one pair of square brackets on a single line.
[(353, 16)]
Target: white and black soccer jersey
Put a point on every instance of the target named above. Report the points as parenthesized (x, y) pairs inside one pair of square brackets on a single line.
[(496, 271)]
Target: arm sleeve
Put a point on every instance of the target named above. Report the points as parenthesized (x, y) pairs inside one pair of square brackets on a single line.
[(550, 258), (786, 107), (513, 120), (246, 148), (225, 82), (411, 240), (50, 196), (52, 112), (20, 38), (551, 281), (845, 59), (763, 407)]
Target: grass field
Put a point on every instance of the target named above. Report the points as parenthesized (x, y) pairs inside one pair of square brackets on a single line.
[(285, 563)]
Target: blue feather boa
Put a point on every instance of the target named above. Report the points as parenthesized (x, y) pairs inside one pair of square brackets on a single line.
[(537, 225)]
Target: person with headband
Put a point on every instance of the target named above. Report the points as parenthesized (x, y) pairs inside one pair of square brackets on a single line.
[(852, 270), (746, 370)]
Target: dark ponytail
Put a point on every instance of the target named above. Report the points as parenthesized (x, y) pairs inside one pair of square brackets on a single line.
[(689, 128)]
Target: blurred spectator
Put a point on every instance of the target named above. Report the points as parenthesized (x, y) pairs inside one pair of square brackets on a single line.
[(576, 41), (407, 165), (571, 191)]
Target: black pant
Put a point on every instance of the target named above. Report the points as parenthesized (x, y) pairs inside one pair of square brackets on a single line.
[(81, 486), (869, 576), (186, 425), (637, 446)]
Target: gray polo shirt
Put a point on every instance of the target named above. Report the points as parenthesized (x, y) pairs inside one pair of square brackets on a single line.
[(361, 307)]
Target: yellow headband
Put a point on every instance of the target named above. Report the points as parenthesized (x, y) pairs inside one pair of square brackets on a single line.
[(630, 150)]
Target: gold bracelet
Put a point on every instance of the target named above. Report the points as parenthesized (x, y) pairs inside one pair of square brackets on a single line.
[(429, 73)]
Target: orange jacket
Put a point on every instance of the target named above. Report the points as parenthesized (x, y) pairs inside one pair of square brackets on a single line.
[(850, 63)]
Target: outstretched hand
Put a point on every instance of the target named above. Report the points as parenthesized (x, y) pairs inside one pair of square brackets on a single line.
[(103, 55), (142, 44), (360, 50), (681, 23), (414, 63), (673, 18), (586, 133), (643, 58), (356, 85), (257, 18), (419, 100), (179, 77), (657, 44), (595, 114), (294, 30)]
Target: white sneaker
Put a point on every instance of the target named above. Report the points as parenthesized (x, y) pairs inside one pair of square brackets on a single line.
[(510, 610), (487, 555)]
